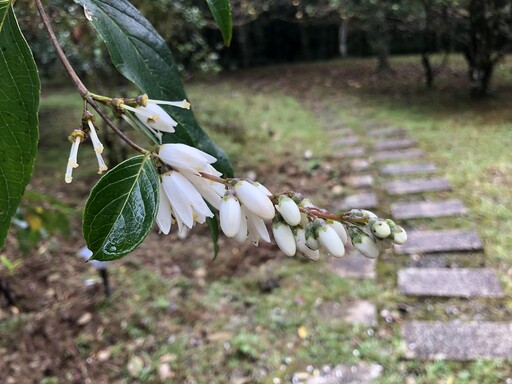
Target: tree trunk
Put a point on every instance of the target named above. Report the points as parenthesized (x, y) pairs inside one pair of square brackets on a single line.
[(427, 67), (342, 37), (480, 78), (381, 43)]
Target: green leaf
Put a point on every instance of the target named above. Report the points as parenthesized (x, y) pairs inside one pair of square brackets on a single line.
[(121, 209), (19, 103), (143, 57), (213, 224), (221, 12)]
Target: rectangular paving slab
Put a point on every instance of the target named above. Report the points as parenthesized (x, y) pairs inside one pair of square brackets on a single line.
[(403, 169), (457, 341), (350, 152), (359, 165), (393, 144), (386, 132), (359, 181), (349, 140), (410, 153), (420, 209), (365, 200), (452, 240), (404, 187), (353, 265), (449, 282)]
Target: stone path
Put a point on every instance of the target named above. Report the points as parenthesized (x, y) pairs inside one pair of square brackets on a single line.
[(377, 180)]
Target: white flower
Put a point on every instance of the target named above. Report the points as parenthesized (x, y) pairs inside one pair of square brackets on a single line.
[(340, 230), (242, 234), (230, 216), (164, 215), (284, 238), (187, 203), (76, 138), (300, 239), (98, 147), (185, 158), (289, 210), (262, 188), (255, 200), (211, 191), (180, 104), (381, 229), (255, 227), (399, 235), (330, 240), (312, 243), (153, 116), (102, 167), (366, 246)]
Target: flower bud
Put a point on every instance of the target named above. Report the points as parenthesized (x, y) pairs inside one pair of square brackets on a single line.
[(230, 215), (284, 238), (380, 229), (300, 239), (366, 246), (242, 233), (340, 230), (399, 235), (311, 242), (255, 200), (289, 210), (331, 241)]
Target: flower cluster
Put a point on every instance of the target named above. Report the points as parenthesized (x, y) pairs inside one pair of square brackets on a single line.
[(191, 189)]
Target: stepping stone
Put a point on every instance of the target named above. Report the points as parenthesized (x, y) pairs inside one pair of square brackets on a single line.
[(341, 131), (359, 165), (350, 152), (359, 181), (419, 209), (361, 373), (457, 341), (402, 169), (345, 141), (398, 155), (365, 200), (353, 265), (404, 187), (356, 312), (439, 241), (449, 282), (394, 144), (387, 132)]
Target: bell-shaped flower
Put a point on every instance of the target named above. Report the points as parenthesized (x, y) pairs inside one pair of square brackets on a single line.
[(380, 229), (76, 137), (230, 215), (300, 240), (164, 214), (366, 246), (399, 235), (289, 210), (185, 158), (242, 233), (187, 203), (256, 227), (153, 116), (254, 200), (284, 238), (330, 240), (340, 230)]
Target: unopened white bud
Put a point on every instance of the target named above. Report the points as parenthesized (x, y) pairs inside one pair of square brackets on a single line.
[(366, 246), (255, 200), (289, 210), (340, 230), (381, 229), (399, 235), (369, 214), (242, 233), (331, 241), (230, 216), (312, 243), (284, 238), (262, 188), (300, 239)]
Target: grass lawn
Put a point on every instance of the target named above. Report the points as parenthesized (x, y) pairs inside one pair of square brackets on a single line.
[(255, 316)]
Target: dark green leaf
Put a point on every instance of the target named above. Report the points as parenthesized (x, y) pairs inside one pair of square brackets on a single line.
[(5, 6), (213, 224), (121, 209), (221, 12), (19, 103), (143, 57)]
